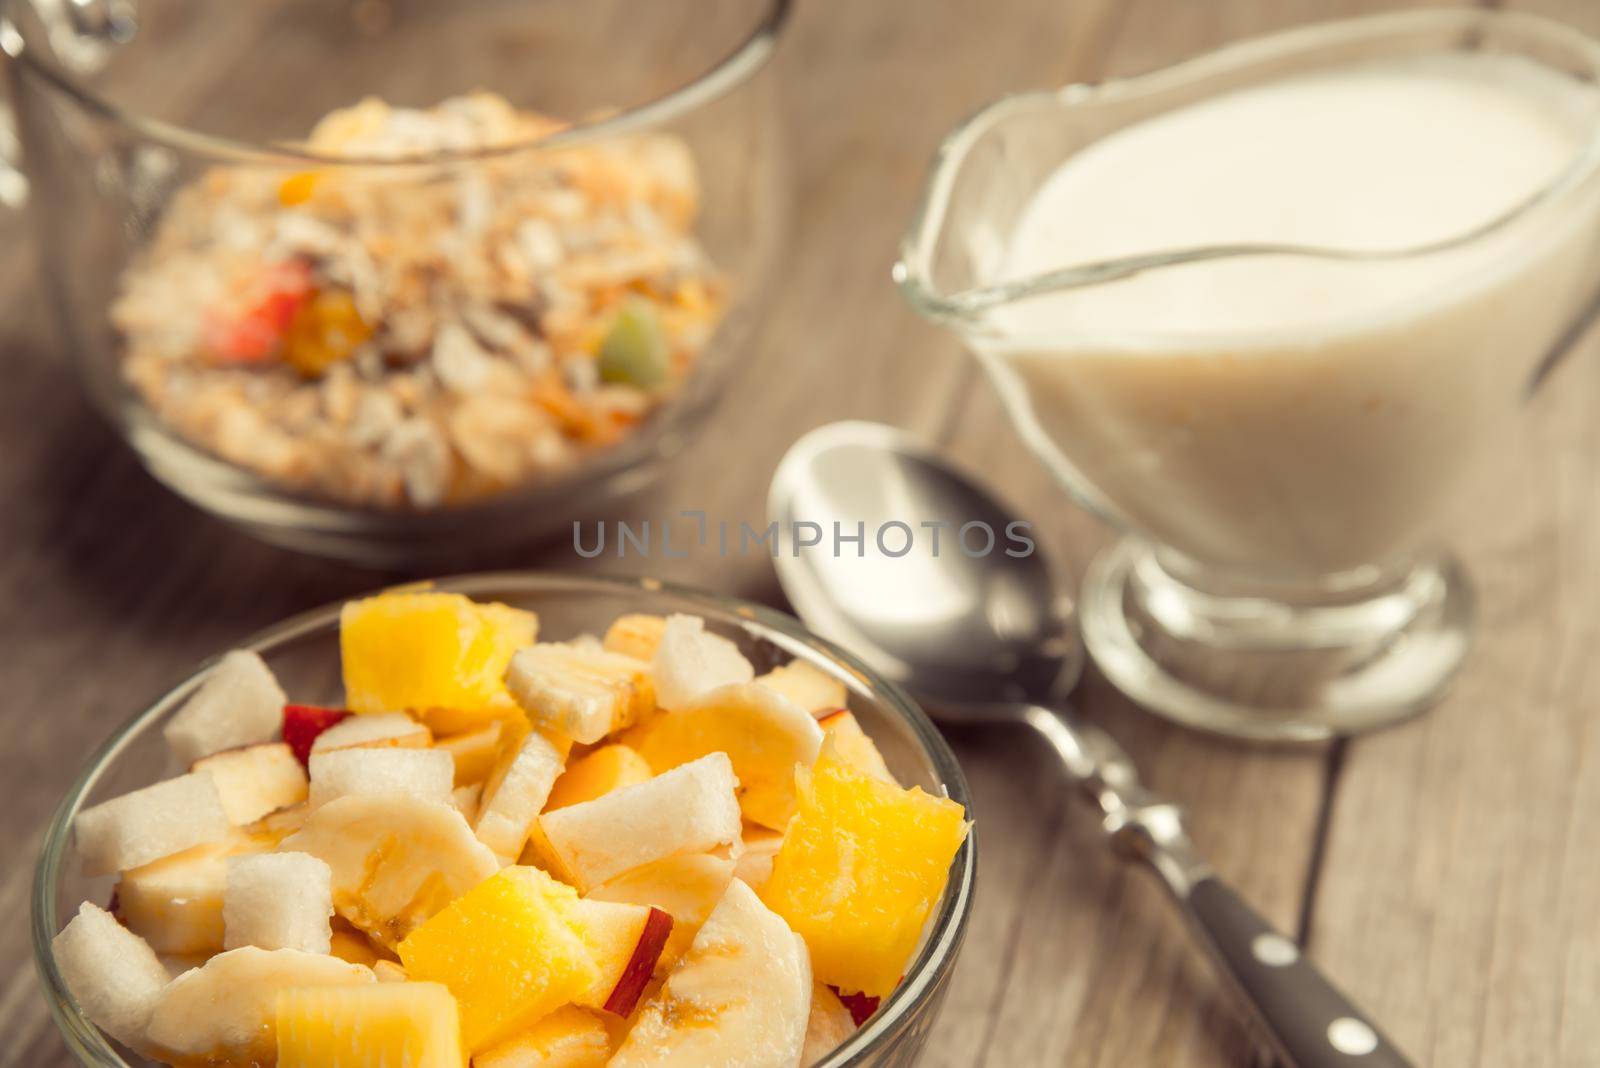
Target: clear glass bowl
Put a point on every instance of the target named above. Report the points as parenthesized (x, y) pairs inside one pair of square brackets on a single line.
[(108, 145), (304, 653)]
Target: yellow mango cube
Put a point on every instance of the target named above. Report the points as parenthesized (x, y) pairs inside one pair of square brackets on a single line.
[(507, 951), (367, 1026), (424, 651), (570, 1037), (596, 773), (861, 866)]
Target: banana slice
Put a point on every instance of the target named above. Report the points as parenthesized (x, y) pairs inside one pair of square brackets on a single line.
[(742, 995), (223, 1012), (396, 860)]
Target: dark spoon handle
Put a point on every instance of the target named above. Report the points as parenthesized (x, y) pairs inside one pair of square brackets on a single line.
[(1311, 1024)]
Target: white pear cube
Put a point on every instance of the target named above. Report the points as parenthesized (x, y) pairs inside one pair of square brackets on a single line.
[(693, 808), (376, 730), (113, 973), (238, 704), (690, 661), (427, 774), (255, 780), (279, 901), (578, 689), (157, 821), (513, 798)]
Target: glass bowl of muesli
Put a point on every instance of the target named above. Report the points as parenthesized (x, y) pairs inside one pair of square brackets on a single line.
[(388, 279)]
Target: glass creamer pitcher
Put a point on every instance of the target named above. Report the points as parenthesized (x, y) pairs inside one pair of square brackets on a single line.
[(1284, 489)]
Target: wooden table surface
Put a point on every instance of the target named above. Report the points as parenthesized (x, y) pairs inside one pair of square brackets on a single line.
[(1443, 871)]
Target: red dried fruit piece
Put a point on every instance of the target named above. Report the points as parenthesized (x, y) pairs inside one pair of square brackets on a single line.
[(253, 332), (860, 1005), (302, 724)]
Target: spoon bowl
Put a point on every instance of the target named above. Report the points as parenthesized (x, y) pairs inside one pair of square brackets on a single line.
[(946, 591)]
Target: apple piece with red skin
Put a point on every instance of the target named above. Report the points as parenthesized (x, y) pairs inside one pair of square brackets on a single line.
[(641, 966), (860, 1005), (302, 724)]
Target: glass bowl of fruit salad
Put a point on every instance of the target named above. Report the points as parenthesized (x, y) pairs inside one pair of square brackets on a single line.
[(389, 281), (516, 818)]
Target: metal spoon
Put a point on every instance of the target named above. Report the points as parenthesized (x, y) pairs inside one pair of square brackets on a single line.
[(982, 637)]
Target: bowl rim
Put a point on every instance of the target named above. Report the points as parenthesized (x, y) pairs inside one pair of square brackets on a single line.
[(750, 55), (924, 977)]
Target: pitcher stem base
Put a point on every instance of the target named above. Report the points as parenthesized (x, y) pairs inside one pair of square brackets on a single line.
[(1269, 668)]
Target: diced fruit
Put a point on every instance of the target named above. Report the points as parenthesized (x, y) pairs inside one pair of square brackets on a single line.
[(250, 327), (747, 975), (853, 744), (176, 903), (297, 188), (515, 793), (425, 774), (634, 350), (378, 730), (507, 951), (829, 1026), (325, 329), (690, 809), (472, 753), (807, 686), (302, 724), (148, 824), (597, 773), (754, 865), (278, 901), (570, 1037), (255, 780), (396, 860), (691, 661), (686, 887), (390, 971), (238, 704), (862, 865), (429, 650), (113, 973), (625, 942), (578, 691), (539, 853), (225, 1010), (635, 635), (466, 800), (444, 722), (349, 944), (415, 1025), (274, 827), (764, 735), (861, 1006)]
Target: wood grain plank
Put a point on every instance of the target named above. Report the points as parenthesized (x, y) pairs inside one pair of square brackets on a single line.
[(1462, 870)]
